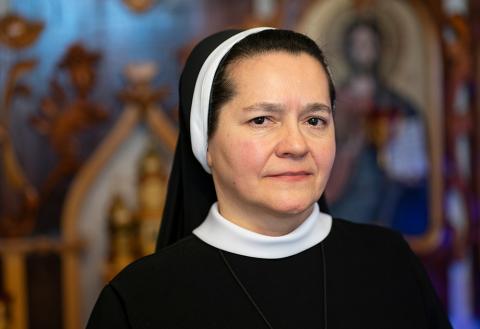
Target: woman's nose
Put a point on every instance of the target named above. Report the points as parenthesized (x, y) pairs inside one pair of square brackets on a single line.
[(292, 142)]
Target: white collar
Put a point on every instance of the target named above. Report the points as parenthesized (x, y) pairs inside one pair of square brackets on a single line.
[(219, 232)]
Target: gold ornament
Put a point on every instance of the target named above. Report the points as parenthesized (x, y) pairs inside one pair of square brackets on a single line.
[(123, 237), (151, 198)]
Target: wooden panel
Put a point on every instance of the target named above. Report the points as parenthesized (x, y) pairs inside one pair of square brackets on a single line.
[(44, 293)]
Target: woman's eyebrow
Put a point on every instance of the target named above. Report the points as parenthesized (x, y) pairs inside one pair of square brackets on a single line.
[(276, 108), (265, 107), (317, 107)]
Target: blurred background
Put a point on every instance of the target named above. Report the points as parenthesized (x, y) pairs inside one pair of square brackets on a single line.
[(88, 124)]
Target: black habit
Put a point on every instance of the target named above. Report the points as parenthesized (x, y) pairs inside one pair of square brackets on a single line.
[(373, 281)]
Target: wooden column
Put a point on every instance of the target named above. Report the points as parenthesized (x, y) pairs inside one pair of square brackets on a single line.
[(16, 286)]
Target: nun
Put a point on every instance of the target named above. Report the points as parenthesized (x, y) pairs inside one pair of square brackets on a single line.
[(246, 239)]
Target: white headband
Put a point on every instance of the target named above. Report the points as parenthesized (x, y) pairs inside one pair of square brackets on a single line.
[(201, 96)]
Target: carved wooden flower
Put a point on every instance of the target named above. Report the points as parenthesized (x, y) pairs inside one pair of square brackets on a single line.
[(139, 6), (17, 32)]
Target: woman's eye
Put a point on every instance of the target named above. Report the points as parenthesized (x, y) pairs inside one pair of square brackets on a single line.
[(258, 120), (315, 121)]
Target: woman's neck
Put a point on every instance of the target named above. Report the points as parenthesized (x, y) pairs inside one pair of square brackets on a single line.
[(264, 221)]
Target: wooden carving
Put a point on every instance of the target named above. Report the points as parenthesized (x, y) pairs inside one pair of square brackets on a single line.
[(140, 91), (61, 119), (20, 202), (19, 197), (16, 32), (274, 18), (139, 6), (142, 95)]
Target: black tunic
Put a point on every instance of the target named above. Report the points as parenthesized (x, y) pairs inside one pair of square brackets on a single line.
[(373, 281)]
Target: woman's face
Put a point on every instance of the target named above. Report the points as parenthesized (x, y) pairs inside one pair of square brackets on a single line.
[(274, 144)]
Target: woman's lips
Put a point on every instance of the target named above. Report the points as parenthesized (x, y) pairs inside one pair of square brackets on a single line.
[(291, 175)]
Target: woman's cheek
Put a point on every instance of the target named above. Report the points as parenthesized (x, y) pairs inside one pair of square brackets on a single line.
[(250, 155)]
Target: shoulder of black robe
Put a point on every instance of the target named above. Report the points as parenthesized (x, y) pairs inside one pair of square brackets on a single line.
[(361, 253), (373, 281), (190, 188)]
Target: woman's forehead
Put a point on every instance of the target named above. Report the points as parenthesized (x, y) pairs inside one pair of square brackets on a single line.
[(258, 64), (278, 71)]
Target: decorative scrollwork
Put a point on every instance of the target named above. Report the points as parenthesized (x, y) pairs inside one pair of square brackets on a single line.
[(62, 119)]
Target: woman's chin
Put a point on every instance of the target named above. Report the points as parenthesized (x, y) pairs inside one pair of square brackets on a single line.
[(291, 208)]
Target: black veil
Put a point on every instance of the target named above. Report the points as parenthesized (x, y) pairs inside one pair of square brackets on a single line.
[(190, 188)]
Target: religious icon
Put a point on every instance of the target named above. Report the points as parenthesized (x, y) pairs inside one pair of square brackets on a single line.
[(381, 170)]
